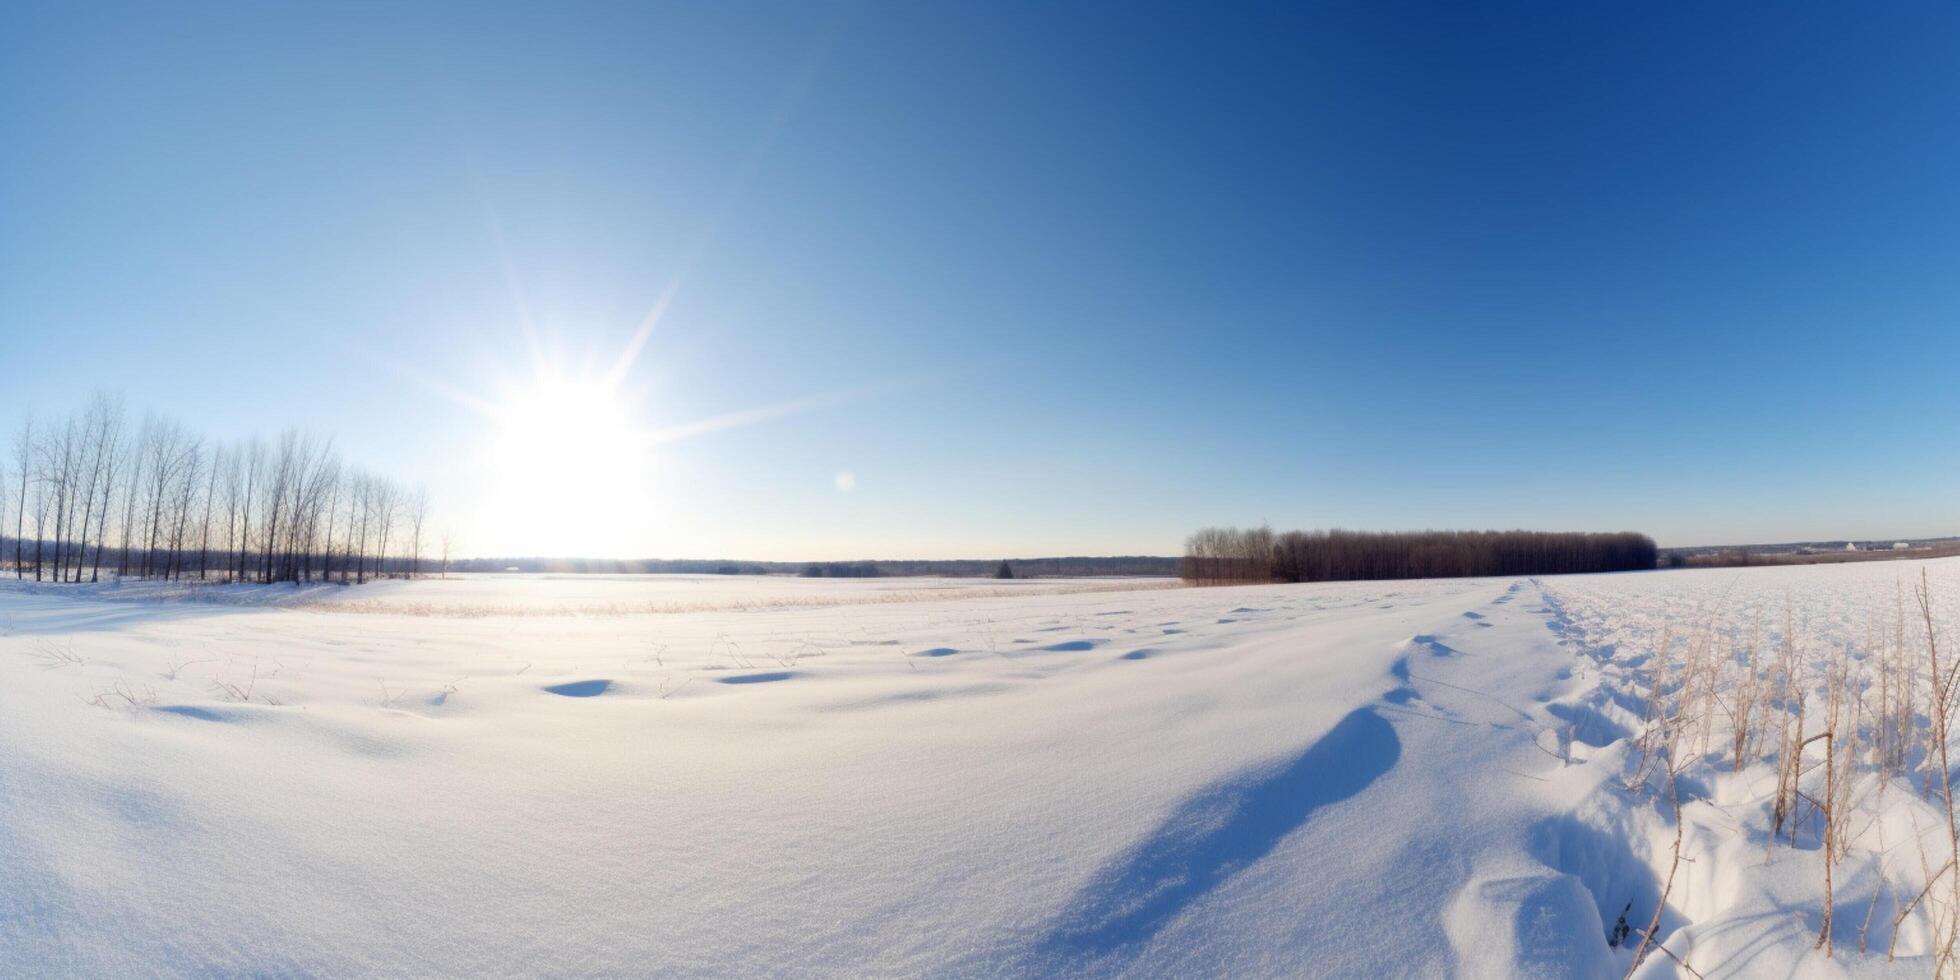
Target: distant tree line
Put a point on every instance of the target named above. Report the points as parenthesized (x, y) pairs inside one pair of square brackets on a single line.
[(1077, 566), (1743, 556), (1218, 555), (90, 496), (840, 569)]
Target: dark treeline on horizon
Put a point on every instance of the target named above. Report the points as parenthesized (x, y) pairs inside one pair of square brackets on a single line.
[(87, 495), (183, 566), (1064, 567), (1744, 556), (1218, 555)]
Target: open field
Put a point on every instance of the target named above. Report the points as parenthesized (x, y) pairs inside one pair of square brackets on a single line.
[(475, 595), (525, 776)]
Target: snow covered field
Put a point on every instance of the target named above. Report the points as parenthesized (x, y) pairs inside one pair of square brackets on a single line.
[(565, 777), (588, 595)]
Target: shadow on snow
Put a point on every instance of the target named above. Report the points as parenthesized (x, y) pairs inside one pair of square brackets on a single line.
[(1212, 836)]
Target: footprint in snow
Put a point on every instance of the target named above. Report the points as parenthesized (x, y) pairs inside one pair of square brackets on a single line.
[(765, 678), (1434, 646), (1072, 646), (580, 689), (193, 711)]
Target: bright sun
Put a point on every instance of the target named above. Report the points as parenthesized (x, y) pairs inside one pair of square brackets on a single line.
[(569, 465)]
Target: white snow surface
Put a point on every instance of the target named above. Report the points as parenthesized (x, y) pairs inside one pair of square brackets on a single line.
[(523, 776)]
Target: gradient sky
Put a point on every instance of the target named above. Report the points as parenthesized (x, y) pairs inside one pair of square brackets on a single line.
[(1041, 278)]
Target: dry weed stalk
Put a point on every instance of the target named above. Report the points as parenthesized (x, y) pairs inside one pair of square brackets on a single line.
[(1943, 679), (127, 695), (1831, 846), (54, 654), (1789, 759), (177, 666), (1647, 936), (1865, 928), (240, 692), (1895, 719), (1747, 694), (1940, 704), (1654, 712)]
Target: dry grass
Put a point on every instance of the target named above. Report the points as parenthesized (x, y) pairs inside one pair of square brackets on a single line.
[(56, 654), (1839, 726), (240, 692), (123, 695)]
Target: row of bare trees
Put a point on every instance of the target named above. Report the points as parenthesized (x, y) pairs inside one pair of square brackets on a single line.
[(92, 495), (1226, 554)]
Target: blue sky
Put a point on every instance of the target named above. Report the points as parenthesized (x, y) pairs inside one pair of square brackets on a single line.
[(1041, 278)]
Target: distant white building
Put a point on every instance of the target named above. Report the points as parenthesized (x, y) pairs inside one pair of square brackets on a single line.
[(1901, 546), (1851, 546)]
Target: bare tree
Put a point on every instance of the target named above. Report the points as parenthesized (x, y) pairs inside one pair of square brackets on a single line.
[(316, 473), (232, 488), (357, 509), (59, 458), (178, 494), (91, 444), (24, 462), (210, 503), (418, 512), (88, 471), (40, 514), (167, 455), (326, 527), (278, 479), (138, 456), (387, 503), (254, 465), (183, 496), (108, 457)]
